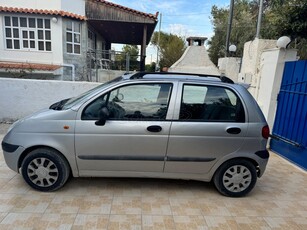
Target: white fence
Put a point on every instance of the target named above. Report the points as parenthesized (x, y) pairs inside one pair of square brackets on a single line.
[(20, 97)]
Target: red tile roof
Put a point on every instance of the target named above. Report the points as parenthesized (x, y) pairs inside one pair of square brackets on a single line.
[(24, 65), (47, 12), (129, 9)]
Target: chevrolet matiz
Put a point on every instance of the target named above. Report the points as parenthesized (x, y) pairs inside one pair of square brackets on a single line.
[(159, 125)]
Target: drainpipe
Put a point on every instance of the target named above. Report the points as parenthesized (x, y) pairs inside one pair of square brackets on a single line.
[(72, 70)]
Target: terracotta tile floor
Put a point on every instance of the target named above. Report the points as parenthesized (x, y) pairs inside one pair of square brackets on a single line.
[(279, 201)]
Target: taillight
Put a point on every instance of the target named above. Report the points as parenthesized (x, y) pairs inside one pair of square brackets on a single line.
[(265, 132)]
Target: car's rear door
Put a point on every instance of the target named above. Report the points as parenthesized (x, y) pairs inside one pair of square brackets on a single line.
[(135, 136), (210, 124)]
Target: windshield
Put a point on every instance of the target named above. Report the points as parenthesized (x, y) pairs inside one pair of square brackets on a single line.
[(75, 100)]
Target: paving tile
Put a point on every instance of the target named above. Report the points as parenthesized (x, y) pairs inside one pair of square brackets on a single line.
[(214, 207), (2, 215), (251, 223), (5, 172), (161, 222), (185, 207), (156, 206), (282, 223), (64, 204), (31, 204), (190, 222), (251, 207), (21, 221), (124, 222), (126, 205), (221, 222), (53, 221), (16, 185), (95, 205), (91, 222)]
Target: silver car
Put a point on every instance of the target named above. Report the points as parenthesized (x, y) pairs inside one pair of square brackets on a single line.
[(160, 125)]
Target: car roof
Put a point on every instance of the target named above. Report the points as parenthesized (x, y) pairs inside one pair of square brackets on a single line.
[(176, 76)]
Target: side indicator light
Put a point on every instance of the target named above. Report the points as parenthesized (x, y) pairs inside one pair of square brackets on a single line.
[(66, 127)]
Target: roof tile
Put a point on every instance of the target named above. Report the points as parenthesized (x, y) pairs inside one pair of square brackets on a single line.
[(25, 65), (42, 11)]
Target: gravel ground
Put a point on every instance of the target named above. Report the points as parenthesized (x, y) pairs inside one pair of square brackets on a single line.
[(4, 127)]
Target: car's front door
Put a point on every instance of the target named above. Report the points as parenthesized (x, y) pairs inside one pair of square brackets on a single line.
[(134, 137), (211, 124)]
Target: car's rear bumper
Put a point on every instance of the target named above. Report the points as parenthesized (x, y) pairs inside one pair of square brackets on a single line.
[(264, 156)]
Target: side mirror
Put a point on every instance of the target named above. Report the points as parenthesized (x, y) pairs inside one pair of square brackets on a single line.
[(103, 116)]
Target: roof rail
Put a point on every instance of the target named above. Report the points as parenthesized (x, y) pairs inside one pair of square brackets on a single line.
[(140, 75)]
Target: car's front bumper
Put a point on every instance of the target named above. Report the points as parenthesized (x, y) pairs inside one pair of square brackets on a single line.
[(12, 154)]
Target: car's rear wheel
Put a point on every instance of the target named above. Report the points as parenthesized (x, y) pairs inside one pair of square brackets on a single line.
[(45, 169), (235, 178)]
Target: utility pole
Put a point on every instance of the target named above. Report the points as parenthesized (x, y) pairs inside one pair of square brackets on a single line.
[(229, 27), (259, 18), (158, 45)]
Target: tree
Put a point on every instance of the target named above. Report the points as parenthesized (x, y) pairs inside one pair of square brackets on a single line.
[(243, 28), (280, 17), (171, 48), (133, 52), (150, 67), (288, 18)]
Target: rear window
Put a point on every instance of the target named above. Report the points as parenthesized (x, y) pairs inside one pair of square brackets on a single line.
[(210, 103)]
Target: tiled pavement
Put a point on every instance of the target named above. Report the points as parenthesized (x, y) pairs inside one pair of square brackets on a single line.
[(279, 201)]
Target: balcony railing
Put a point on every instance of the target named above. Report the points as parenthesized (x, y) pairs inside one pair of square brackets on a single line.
[(112, 60)]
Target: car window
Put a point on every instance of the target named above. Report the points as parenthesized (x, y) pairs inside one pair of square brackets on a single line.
[(132, 102), (75, 100), (210, 103), (91, 111)]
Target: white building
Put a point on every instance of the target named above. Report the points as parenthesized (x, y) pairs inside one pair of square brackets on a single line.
[(64, 38)]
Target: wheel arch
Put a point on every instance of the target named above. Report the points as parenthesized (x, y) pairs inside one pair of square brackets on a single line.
[(219, 164), (32, 148)]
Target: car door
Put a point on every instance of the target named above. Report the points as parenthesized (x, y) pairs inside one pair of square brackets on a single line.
[(134, 137), (210, 124)]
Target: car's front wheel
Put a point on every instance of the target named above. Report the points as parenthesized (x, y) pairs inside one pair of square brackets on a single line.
[(45, 169), (235, 178)]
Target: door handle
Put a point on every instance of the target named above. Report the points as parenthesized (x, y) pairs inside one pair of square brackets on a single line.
[(154, 128), (233, 130)]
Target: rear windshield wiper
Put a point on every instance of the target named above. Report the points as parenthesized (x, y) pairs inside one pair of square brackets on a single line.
[(58, 105)]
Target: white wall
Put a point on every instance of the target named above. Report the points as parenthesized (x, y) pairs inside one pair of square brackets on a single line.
[(250, 62), (272, 65), (34, 4), (230, 67), (195, 59), (20, 97), (72, 6), (77, 7)]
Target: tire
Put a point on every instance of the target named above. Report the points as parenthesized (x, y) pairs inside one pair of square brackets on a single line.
[(235, 178), (45, 169)]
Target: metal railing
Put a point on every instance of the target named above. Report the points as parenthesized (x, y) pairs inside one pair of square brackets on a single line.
[(112, 60)]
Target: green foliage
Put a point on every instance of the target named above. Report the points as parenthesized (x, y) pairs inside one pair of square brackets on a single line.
[(280, 18), (171, 48), (150, 67), (133, 52)]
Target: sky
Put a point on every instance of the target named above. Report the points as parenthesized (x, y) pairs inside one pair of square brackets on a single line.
[(182, 17)]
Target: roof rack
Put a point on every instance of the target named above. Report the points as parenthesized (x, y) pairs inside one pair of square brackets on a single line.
[(140, 75)]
